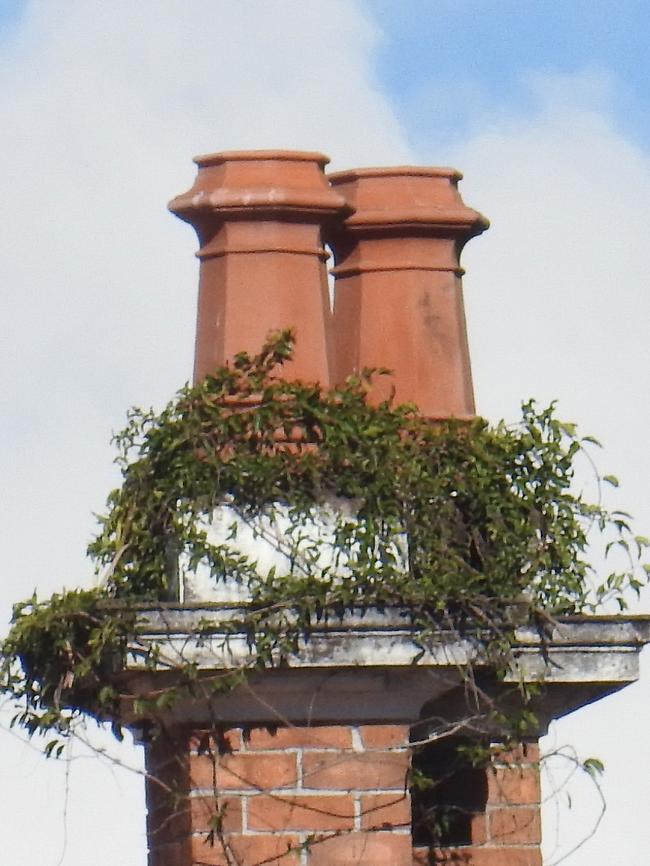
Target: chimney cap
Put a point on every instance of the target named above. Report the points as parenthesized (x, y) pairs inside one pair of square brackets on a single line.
[(424, 198), (254, 184), (350, 174), (208, 159)]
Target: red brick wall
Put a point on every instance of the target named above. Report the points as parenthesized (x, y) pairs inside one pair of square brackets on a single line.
[(320, 796), (309, 796)]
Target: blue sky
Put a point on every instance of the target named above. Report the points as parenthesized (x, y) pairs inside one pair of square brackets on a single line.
[(448, 65), (476, 55), (544, 106), (10, 12)]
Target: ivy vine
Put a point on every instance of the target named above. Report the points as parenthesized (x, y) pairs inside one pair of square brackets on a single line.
[(466, 525)]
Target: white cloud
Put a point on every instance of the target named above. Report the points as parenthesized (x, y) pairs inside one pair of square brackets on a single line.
[(558, 302), (102, 106), (557, 290), (562, 95)]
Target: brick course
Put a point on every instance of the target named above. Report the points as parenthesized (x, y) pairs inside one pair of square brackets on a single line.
[(373, 849), (245, 850), (321, 737), (239, 771), (209, 812), (514, 785), (384, 811), (384, 736), (362, 770), (513, 826), (478, 857), (328, 812)]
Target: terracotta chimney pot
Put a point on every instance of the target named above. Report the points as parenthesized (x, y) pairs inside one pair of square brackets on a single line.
[(259, 217), (398, 300)]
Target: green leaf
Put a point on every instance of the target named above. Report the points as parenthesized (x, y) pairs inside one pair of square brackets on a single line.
[(594, 767)]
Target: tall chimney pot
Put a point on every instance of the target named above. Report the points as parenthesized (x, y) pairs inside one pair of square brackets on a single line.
[(259, 217), (398, 296)]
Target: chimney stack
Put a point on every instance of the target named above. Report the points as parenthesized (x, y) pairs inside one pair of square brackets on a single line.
[(259, 217), (315, 761), (398, 295)]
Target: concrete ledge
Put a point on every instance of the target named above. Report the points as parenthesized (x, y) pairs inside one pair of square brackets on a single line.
[(573, 649), (369, 666)]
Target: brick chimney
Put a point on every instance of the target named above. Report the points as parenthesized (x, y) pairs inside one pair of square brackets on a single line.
[(308, 764)]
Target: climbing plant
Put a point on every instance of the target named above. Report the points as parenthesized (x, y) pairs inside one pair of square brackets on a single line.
[(466, 526)]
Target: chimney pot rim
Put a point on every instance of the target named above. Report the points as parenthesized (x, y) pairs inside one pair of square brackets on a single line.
[(209, 159), (429, 219), (394, 171), (254, 204)]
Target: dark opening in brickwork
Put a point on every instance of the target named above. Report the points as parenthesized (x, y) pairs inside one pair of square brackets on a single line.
[(446, 793)]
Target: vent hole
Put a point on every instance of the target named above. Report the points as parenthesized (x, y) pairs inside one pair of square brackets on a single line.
[(447, 791)]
